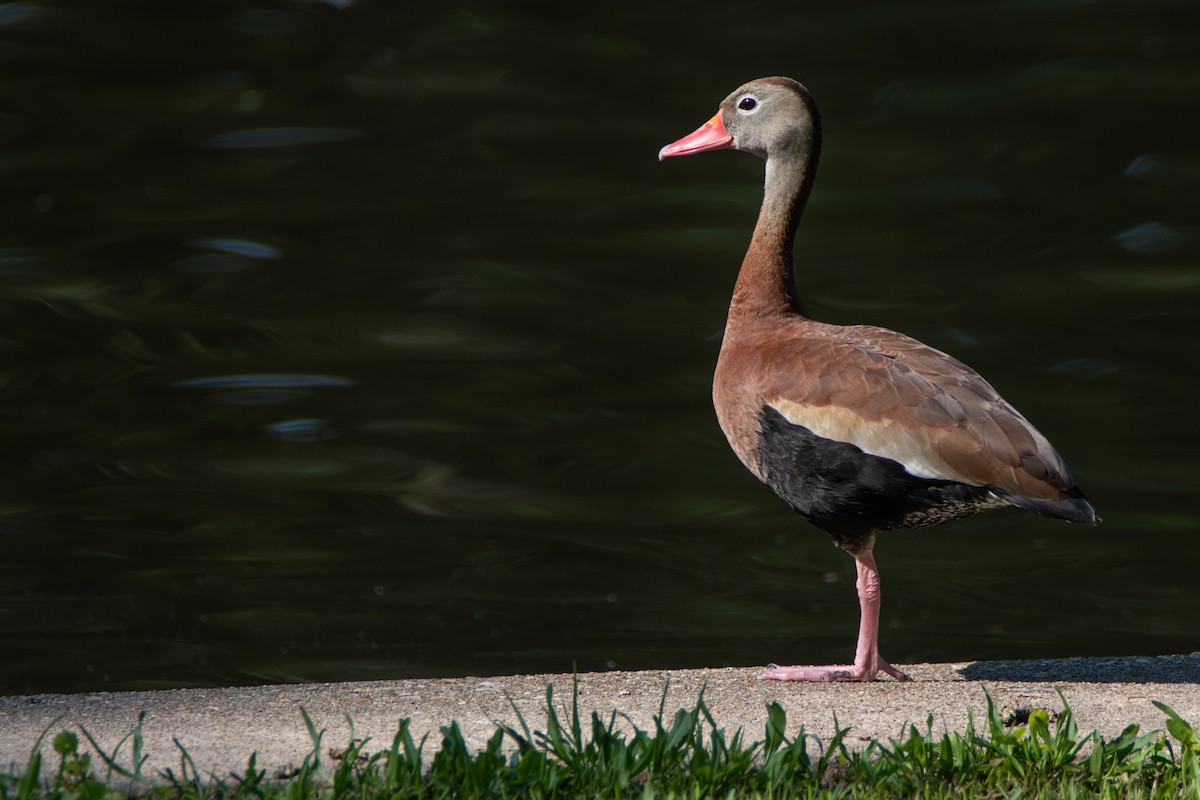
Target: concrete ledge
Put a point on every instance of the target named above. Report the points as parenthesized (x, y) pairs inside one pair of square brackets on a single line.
[(221, 727)]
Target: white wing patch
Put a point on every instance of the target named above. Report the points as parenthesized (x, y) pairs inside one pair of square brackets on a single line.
[(884, 438)]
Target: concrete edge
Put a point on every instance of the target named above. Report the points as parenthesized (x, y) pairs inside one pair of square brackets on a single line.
[(220, 728)]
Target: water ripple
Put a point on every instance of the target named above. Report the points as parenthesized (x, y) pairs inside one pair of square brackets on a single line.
[(281, 137), (263, 381), (240, 247), (1150, 239)]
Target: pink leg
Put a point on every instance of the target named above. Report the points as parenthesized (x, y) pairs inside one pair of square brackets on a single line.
[(867, 663)]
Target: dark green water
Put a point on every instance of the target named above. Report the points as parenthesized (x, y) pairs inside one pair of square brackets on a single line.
[(365, 340)]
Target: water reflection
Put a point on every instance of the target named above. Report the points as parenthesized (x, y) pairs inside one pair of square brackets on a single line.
[(228, 255), (1155, 170), (350, 341), (17, 15), (301, 430)]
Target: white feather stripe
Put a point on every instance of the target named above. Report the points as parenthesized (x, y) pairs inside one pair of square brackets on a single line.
[(884, 438)]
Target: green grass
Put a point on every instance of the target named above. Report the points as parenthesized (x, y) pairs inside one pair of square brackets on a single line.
[(685, 756)]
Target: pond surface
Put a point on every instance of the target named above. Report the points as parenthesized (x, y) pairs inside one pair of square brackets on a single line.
[(343, 341)]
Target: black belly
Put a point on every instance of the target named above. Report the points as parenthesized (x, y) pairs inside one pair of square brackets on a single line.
[(851, 494)]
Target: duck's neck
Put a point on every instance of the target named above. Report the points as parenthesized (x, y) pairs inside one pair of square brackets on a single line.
[(766, 286)]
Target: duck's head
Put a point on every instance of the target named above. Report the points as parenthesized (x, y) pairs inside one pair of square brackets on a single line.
[(768, 116)]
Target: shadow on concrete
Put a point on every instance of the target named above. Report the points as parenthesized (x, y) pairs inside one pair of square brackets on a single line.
[(1122, 669)]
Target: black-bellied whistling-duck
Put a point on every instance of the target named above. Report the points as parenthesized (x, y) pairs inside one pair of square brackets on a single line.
[(860, 429)]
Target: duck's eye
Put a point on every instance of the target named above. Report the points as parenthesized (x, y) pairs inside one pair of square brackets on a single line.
[(747, 104)]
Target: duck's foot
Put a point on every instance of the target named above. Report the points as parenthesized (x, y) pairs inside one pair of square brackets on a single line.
[(842, 672)]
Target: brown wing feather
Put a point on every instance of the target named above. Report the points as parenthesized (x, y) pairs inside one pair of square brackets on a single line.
[(897, 397)]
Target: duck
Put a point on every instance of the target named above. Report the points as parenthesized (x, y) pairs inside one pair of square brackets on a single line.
[(858, 428)]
